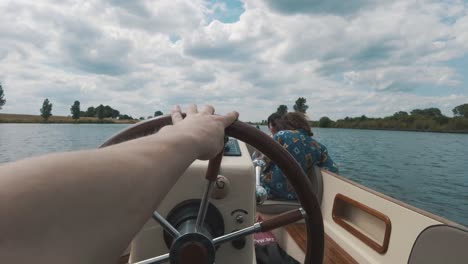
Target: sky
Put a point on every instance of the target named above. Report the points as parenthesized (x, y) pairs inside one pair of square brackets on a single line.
[(347, 58)]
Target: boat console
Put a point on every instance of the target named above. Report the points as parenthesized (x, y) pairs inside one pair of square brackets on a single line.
[(232, 207)]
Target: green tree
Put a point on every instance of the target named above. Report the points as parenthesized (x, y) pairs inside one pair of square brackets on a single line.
[(75, 110), (461, 110), (125, 117), (300, 105), (115, 113), (400, 115), (282, 110), (428, 112), (91, 112), (2, 97), (158, 113), (46, 110), (100, 112), (108, 111), (325, 122)]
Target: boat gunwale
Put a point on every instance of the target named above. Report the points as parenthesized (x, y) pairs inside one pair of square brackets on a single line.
[(398, 202)]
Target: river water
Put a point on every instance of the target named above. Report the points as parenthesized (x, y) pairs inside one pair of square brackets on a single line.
[(426, 170)]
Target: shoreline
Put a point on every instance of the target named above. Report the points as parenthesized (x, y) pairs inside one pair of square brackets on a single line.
[(404, 130), (36, 119), (390, 129)]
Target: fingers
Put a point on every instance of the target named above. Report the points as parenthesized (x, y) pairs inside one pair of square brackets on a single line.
[(208, 109), (227, 119), (192, 109), (176, 115)]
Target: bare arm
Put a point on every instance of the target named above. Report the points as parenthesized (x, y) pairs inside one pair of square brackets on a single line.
[(85, 207)]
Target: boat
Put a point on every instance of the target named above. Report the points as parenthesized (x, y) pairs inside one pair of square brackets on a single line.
[(209, 215)]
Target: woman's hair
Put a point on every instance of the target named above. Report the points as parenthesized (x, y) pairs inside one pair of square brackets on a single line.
[(273, 119), (294, 121)]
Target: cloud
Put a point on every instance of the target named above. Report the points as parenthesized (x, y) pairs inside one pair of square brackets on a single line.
[(236, 42), (403, 78), (94, 52), (320, 6), (347, 58), (166, 16)]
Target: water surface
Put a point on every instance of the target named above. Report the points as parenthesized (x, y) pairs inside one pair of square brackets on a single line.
[(19, 141)]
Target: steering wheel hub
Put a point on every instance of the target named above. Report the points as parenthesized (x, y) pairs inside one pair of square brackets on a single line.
[(193, 248)]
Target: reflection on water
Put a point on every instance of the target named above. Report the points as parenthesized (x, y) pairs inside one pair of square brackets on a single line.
[(18, 141), (427, 170)]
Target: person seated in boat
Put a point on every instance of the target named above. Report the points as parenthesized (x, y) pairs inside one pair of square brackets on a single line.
[(86, 206), (272, 122), (294, 133)]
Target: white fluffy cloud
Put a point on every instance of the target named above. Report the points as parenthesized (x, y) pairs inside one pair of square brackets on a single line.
[(362, 57)]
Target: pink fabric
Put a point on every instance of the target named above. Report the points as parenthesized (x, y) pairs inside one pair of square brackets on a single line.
[(265, 238)]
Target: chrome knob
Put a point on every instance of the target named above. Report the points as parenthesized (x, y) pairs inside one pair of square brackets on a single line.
[(220, 188), (239, 219), (259, 163), (260, 194)]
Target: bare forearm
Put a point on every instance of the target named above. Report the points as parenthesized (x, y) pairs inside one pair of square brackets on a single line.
[(92, 197), (85, 207)]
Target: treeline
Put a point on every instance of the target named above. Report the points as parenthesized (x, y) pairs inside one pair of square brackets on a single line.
[(101, 112), (2, 97), (429, 119)]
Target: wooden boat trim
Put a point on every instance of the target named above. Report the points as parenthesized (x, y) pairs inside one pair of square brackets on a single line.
[(333, 252), (381, 248), (398, 202), (124, 259)]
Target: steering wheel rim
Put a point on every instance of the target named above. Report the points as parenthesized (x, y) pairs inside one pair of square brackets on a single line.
[(273, 150)]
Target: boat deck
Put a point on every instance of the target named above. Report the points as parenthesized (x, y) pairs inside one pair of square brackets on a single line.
[(334, 254)]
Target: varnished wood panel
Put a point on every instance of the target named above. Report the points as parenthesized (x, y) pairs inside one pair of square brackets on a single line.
[(341, 202), (334, 254), (123, 259)]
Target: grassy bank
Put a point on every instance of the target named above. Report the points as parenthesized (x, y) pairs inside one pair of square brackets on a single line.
[(15, 118), (418, 123), (401, 129)]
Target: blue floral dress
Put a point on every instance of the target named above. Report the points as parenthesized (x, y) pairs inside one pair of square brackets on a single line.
[(307, 152)]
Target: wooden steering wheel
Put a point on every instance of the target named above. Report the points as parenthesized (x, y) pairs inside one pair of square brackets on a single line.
[(186, 246)]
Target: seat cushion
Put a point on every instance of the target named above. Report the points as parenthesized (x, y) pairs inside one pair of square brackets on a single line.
[(440, 244)]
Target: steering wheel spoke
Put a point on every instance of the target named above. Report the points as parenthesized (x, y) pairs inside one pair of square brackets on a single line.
[(211, 175), (166, 225), (264, 226), (156, 260)]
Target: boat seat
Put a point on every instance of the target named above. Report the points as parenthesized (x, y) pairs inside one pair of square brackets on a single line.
[(440, 244), (281, 206)]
